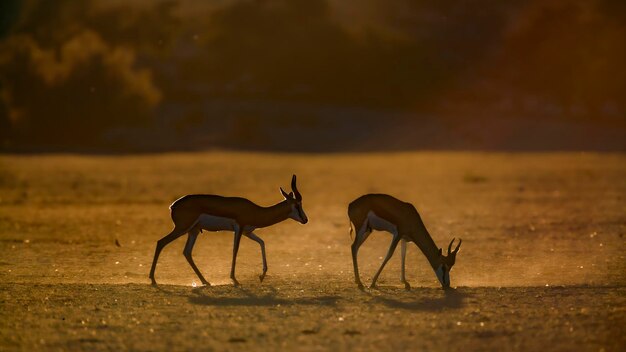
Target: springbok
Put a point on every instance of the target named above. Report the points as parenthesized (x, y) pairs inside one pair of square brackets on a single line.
[(385, 213), (193, 213)]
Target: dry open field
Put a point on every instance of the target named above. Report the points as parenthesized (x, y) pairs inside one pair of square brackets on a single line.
[(541, 267)]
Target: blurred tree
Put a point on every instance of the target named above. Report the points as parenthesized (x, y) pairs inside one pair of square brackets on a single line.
[(65, 84), (71, 100), (566, 53)]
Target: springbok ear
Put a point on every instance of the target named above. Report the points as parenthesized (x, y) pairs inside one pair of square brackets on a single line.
[(287, 196)]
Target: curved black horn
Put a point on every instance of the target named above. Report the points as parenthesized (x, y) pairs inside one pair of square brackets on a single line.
[(450, 246), (294, 188), (284, 193), (457, 246)]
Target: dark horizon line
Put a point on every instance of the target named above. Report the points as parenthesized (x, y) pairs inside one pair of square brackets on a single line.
[(311, 151)]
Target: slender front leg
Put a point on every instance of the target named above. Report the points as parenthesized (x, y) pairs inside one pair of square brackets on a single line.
[(258, 240), (235, 250), (191, 240), (403, 259), (359, 239), (392, 248), (176, 232), (355, 251)]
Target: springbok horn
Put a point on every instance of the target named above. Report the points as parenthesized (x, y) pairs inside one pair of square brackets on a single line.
[(284, 193), (294, 188), (457, 246), (450, 246)]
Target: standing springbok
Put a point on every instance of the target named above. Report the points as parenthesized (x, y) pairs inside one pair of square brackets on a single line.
[(193, 213), (386, 213)]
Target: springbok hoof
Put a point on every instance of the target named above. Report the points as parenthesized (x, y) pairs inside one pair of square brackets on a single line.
[(261, 277), (407, 286)]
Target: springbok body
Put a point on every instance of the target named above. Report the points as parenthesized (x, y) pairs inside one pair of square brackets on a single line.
[(386, 213), (193, 213)]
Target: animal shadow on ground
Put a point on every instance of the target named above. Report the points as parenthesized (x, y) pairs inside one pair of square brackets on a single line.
[(243, 297), (448, 299)]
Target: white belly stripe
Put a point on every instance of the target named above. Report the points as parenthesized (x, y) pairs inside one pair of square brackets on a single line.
[(216, 223), (380, 224)]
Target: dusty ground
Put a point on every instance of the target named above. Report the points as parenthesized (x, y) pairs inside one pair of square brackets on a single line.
[(541, 266)]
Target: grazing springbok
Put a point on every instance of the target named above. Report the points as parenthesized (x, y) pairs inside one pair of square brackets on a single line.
[(193, 213), (386, 213)]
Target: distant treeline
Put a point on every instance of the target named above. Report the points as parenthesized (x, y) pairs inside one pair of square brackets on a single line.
[(112, 75)]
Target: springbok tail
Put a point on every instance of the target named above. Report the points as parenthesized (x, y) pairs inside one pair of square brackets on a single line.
[(350, 224)]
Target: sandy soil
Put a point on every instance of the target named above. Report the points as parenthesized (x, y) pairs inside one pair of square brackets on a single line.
[(541, 266)]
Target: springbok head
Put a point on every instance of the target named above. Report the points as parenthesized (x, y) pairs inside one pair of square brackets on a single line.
[(294, 198), (446, 262)]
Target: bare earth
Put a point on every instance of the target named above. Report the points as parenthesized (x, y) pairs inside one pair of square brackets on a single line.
[(541, 266)]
